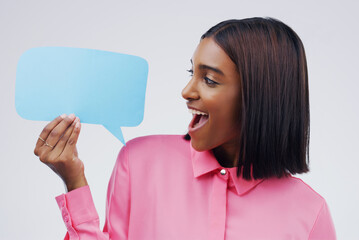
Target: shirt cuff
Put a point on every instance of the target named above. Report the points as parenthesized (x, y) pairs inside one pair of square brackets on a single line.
[(77, 207)]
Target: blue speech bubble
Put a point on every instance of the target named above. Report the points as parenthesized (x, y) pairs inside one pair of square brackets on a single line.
[(100, 87)]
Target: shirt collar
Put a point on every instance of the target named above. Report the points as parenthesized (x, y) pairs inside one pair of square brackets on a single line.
[(205, 162)]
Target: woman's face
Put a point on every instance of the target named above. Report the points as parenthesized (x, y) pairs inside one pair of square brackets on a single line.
[(213, 90)]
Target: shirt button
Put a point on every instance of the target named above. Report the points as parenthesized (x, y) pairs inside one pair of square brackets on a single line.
[(223, 172)]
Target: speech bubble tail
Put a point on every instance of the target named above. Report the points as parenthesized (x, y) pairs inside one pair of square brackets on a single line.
[(117, 132)]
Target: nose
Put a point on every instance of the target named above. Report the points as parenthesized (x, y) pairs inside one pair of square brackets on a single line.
[(190, 91)]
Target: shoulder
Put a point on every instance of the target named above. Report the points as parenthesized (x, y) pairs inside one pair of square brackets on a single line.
[(303, 187), (154, 149), (294, 197), (156, 140), (293, 193), (311, 206), (155, 143), (305, 190), (293, 186)]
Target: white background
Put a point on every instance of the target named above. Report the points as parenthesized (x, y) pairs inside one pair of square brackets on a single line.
[(166, 34)]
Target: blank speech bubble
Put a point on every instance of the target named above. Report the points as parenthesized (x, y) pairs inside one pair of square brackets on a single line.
[(100, 87)]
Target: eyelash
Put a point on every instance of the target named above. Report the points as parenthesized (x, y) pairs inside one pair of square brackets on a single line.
[(207, 80)]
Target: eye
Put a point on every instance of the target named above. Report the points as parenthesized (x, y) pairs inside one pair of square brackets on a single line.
[(207, 80), (190, 71), (210, 82)]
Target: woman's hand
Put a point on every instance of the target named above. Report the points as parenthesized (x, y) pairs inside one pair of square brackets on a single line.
[(56, 147)]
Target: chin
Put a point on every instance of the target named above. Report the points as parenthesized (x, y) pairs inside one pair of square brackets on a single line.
[(199, 146)]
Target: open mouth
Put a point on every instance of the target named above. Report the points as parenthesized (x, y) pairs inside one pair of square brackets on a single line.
[(199, 119)]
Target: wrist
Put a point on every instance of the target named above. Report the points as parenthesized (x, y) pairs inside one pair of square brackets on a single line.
[(77, 184)]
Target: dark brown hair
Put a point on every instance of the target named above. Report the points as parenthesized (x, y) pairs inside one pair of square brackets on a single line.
[(274, 108)]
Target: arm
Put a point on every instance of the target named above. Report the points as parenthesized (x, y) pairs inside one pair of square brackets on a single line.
[(323, 227), (56, 147), (79, 213)]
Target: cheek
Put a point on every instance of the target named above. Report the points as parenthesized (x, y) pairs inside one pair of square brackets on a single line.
[(225, 102), (226, 112)]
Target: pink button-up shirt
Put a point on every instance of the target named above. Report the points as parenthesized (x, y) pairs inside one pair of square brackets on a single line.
[(162, 189)]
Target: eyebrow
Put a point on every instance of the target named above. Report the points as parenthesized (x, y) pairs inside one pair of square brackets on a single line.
[(203, 67)]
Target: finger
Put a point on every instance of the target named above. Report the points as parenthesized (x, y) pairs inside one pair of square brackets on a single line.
[(57, 132), (63, 140), (46, 131), (70, 146)]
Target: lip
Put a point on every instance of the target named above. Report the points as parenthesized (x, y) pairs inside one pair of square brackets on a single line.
[(198, 126), (190, 107)]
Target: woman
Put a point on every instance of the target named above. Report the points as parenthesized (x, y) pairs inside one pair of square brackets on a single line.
[(230, 177)]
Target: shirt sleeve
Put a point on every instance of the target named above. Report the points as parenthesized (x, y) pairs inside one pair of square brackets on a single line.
[(323, 227), (80, 215)]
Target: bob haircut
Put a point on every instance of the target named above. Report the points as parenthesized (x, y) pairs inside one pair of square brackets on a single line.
[(274, 107)]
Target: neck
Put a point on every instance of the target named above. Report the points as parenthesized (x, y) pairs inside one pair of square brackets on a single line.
[(227, 156)]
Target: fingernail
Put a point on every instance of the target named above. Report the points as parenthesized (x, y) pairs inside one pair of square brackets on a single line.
[(72, 116), (77, 125), (77, 119), (63, 115)]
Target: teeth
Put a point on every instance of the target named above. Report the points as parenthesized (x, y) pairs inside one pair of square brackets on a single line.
[(196, 112)]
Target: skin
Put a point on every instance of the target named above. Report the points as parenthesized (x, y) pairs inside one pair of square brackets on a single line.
[(60, 154), (208, 91), (218, 95)]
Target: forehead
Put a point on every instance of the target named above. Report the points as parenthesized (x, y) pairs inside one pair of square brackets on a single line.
[(209, 53)]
